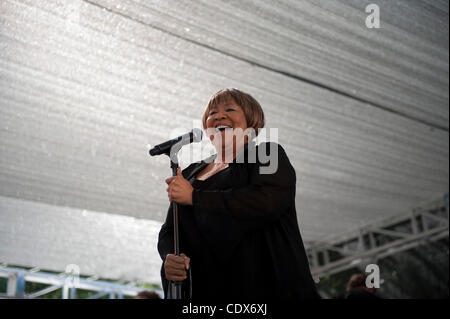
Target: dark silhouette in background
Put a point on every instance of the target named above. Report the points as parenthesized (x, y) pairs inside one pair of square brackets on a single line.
[(145, 294), (357, 289)]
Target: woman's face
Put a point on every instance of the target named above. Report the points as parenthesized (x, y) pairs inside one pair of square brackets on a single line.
[(224, 121)]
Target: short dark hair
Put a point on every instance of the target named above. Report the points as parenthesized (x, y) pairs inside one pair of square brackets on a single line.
[(252, 109), (357, 281), (146, 294)]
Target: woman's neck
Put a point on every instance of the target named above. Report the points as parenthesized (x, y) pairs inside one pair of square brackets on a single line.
[(227, 154)]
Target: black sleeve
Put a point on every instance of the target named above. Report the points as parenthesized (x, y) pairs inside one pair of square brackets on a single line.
[(165, 239), (265, 199), (165, 245), (224, 215)]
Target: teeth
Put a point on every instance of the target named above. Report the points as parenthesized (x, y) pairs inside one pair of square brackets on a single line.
[(222, 126)]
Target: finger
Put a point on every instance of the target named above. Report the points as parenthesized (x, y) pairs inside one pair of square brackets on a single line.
[(179, 172), (175, 187), (176, 259), (172, 195), (187, 260), (175, 275), (176, 272), (178, 185), (175, 197), (170, 187), (172, 184), (170, 179)]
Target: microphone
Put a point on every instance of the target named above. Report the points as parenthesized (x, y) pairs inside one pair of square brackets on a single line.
[(164, 148)]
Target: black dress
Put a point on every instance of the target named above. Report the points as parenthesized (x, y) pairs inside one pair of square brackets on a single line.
[(241, 232)]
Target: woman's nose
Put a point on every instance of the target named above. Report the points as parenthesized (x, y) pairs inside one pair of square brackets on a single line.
[(220, 115)]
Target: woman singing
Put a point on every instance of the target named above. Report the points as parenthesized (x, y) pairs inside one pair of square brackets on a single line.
[(239, 235)]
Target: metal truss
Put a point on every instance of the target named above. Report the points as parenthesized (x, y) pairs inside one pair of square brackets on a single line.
[(18, 277), (367, 244)]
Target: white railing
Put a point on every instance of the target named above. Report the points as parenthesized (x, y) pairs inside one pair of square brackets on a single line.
[(18, 277)]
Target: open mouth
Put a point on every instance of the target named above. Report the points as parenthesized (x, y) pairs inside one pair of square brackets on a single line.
[(222, 128)]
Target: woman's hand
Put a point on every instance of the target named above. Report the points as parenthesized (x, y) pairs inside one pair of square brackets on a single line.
[(175, 267), (179, 189)]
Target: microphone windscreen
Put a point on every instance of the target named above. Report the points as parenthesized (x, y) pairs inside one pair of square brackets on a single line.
[(197, 135)]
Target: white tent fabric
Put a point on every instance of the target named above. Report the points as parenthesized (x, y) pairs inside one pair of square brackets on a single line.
[(55, 237), (86, 87)]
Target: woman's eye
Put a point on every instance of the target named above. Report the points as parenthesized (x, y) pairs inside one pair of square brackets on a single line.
[(230, 109), (212, 113)]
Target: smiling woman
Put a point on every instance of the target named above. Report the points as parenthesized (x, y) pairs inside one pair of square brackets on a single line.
[(238, 225)]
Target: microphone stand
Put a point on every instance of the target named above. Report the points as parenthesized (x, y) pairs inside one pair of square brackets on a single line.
[(174, 289)]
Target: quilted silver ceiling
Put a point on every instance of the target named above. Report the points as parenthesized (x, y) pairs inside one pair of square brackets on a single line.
[(86, 87)]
